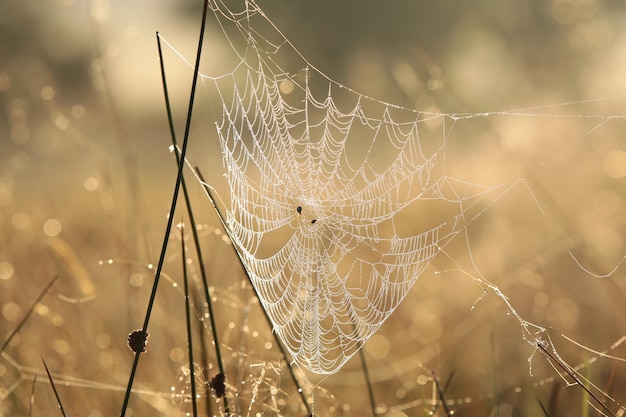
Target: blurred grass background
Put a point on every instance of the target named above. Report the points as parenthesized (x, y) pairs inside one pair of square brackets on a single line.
[(86, 176)]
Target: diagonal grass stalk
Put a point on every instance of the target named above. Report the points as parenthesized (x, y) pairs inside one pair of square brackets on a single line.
[(170, 218), (573, 374), (54, 388), (28, 313), (179, 161), (368, 382), (243, 265)]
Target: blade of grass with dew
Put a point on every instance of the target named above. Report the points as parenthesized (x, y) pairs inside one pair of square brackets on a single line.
[(172, 208), (28, 313), (54, 388), (239, 257), (179, 161), (192, 372), (575, 377)]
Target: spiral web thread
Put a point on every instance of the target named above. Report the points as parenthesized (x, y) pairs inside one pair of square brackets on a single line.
[(317, 188)]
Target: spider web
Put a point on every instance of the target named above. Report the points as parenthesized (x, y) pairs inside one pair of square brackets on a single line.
[(320, 177)]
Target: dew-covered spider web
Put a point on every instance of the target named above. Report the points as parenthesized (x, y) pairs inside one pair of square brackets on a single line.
[(320, 177), (423, 240)]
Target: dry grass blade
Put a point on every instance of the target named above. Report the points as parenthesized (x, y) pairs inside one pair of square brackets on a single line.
[(27, 315), (543, 408), (440, 393), (575, 377), (54, 388), (243, 265)]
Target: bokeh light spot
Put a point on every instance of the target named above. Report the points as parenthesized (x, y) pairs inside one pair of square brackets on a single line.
[(90, 184), (52, 227), (177, 354), (286, 86), (136, 280), (615, 164), (61, 122), (20, 221), (378, 347), (47, 93), (61, 346), (12, 311), (6, 270), (103, 340), (78, 111)]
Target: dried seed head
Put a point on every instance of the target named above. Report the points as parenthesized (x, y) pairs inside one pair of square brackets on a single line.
[(218, 385), (137, 340)]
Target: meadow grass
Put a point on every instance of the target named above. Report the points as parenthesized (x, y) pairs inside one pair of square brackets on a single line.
[(84, 207)]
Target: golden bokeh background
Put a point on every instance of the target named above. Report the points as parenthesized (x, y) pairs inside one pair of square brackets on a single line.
[(86, 179)]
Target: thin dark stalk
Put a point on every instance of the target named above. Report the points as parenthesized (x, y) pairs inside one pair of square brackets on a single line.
[(575, 377), (170, 218), (28, 313), (204, 359), (245, 269), (192, 372), (368, 382), (440, 393), (54, 388), (543, 408), (205, 281)]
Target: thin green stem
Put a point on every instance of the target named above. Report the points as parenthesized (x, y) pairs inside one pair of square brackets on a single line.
[(194, 230), (442, 397), (245, 269), (170, 218), (574, 376), (368, 382), (192, 367), (54, 388)]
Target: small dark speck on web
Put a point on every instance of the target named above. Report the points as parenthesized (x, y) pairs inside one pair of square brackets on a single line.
[(299, 209), (313, 221), (218, 385), (137, 340)]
